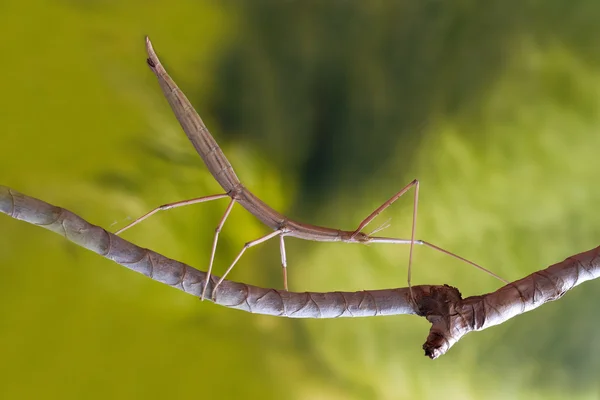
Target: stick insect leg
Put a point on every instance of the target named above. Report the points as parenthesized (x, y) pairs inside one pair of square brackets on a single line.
[(385, 205), (283, 262), (172, 205), (388, 203), (377, 239), (214, 245), (433, 246), (246, 247)]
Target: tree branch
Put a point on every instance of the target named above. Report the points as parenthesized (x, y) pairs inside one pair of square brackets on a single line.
[(451, 316)]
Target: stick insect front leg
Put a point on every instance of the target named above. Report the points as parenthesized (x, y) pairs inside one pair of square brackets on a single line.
[(283, 262), (412, 240), (388, 203)]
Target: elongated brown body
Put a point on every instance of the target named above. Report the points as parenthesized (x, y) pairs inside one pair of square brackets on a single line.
[(223, 172)]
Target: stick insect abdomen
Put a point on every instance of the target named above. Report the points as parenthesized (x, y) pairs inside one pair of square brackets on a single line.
[(194, 127), (221, 168)]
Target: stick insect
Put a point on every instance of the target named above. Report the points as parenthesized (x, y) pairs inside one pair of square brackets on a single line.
[(282, 226)]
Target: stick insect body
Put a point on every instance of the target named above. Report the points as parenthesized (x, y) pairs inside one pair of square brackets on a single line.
[(223, 172)]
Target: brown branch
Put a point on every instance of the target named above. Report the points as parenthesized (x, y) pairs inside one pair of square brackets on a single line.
[(451, 316)]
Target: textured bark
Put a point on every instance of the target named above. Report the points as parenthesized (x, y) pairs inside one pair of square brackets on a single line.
[(451, 316)]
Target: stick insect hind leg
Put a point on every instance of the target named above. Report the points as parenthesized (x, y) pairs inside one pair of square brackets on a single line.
[(216, 236), (186, 203), (214, 246), (172, 205), (388, 203)]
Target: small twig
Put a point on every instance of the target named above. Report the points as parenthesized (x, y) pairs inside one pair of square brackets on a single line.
[(451, 316)]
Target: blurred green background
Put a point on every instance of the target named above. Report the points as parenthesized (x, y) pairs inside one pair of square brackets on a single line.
[(325, 109)]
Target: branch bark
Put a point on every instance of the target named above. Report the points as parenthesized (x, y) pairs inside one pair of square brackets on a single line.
[(451, 316)]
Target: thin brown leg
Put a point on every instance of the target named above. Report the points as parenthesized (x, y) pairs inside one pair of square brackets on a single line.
[(388, 203), (172, 205), (385, 205), (379, 239), (246, 247), (214, 245), (412, 237), (283, 262), (433, 246)]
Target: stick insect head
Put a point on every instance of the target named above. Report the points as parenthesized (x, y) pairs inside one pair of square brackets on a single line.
[(357, 237)]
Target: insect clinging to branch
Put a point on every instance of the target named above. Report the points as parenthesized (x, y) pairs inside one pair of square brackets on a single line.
[(282, 226)]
